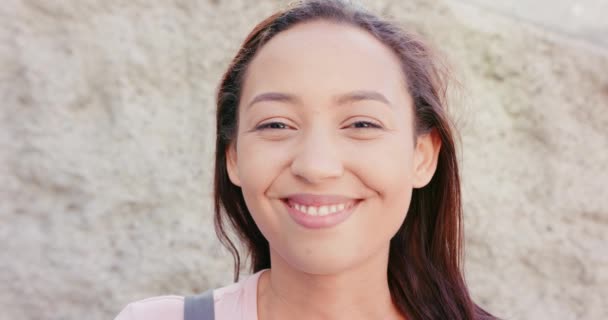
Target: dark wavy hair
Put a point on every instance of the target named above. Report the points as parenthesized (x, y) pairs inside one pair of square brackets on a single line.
[(424, 269)]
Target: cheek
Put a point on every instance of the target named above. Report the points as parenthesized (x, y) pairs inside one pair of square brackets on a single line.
[(385, 166), (259, 165), (387, 169)]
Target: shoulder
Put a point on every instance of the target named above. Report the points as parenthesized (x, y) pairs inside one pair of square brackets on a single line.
[(169, 307), (238, 300), (230, 302)]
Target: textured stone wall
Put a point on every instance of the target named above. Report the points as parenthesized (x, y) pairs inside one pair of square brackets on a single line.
[(106, 148)]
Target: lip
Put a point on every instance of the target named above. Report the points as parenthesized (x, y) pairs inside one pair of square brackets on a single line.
[(320, 222), (308, 199)]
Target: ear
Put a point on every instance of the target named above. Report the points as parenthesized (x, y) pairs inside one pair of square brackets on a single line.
[(231, 165), (426, 154)]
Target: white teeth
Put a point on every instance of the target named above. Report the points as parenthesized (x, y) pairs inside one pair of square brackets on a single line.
[(322, 210), (312, 211)]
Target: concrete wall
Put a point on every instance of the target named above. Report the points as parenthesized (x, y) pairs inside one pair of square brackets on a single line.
[(106, 142), (572, 18)]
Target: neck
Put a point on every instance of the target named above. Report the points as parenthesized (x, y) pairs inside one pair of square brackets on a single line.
[(360, 292)]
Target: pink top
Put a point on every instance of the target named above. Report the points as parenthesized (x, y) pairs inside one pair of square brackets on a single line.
[(237, 301)]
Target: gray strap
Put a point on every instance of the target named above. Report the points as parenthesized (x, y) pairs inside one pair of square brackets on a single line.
[(199, 307)]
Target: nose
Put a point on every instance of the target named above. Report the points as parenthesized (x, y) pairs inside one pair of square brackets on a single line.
[(317, 158)]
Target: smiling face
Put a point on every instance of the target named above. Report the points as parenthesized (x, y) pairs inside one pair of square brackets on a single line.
[(326, 155)]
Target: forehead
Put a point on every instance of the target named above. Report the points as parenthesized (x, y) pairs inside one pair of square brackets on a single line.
[(321, 58)]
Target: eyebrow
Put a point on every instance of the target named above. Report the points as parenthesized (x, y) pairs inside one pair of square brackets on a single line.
[(274, 96), (353, 96)]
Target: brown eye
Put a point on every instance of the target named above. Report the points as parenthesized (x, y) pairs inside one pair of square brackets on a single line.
[(366, 125), (272, 125)]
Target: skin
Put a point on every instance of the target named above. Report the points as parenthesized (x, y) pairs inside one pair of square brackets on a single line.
[(324, 140)]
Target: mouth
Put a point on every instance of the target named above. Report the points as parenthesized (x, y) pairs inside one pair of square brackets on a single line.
[(320, 216), (321, 210)]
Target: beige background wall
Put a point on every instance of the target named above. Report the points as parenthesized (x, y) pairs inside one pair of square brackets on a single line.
[(106, 142)]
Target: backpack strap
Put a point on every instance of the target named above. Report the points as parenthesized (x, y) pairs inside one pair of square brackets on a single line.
[(200, 306)]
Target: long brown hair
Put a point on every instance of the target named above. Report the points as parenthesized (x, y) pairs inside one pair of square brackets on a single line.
[(424, 270)]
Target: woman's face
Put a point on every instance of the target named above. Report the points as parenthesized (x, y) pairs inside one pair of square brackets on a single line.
[(326, 156)]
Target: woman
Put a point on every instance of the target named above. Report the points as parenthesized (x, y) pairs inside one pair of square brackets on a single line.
[(336, 166)]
